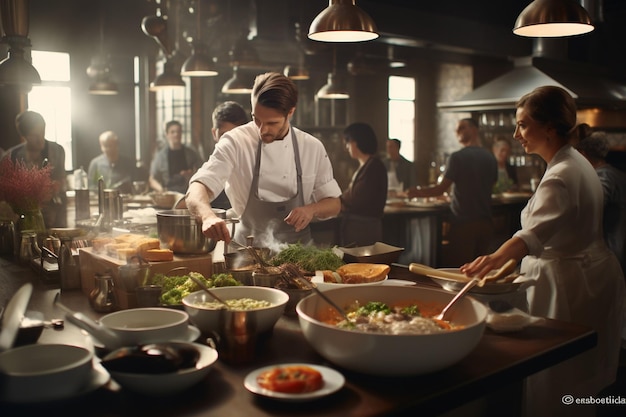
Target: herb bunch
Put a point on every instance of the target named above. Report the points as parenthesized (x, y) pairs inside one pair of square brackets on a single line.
[(23, 187)]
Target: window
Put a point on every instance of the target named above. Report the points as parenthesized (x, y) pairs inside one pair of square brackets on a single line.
[(52, 99), (402, 113)]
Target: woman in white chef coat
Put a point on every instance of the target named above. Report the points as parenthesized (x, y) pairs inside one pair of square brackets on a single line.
[(277, 178), (577, 278)]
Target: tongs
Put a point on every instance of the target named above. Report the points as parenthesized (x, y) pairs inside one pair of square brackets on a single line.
[(255, 255), (292, 274)]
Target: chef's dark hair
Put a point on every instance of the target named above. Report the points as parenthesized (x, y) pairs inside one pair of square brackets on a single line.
[(275, 91), (363, 135), (26, 121), (173, 123), (231, 112), (553, 106)]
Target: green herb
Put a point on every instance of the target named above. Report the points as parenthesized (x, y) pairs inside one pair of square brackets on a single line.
[(373, 307), (175, 288), (412, 310), (308, 258)]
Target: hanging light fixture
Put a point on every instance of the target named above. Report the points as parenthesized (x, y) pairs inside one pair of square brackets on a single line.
[(169, 78), (243, 53), (199, 63), (553, 18), (333, 89), (238, 84), (100, 69), (343, 21), (299, 71), (15, 69)]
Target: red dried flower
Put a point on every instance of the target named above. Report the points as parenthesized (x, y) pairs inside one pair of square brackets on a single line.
[(24, 188)]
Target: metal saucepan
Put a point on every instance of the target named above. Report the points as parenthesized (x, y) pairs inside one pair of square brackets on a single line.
[(179, 231)]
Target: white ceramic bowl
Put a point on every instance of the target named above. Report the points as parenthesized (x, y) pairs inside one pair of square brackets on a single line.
[(147, 325), (208, 320), (385, 354), (168, 383), (51, 370)]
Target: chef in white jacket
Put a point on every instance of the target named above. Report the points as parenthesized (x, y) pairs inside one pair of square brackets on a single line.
[(577, 278), (277, 178)]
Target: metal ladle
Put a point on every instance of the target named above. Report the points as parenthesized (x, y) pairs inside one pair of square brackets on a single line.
[(504, 269), (208, 291), (292, 274)]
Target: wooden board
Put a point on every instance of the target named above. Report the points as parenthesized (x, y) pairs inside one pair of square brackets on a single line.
[(92, 263)]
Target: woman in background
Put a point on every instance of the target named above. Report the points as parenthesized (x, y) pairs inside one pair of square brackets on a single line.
[(577, 278), (363, 203)]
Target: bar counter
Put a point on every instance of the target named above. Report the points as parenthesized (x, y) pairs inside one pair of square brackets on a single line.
[(498, 364)]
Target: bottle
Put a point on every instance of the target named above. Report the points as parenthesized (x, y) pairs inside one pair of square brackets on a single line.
[(80, 179), (102, 297), (68, 268)]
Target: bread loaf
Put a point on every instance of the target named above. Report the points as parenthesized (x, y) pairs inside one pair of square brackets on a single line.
[(158, 255), (357, 273)]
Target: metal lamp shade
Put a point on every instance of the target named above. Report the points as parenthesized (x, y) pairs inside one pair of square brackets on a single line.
[(553, 18), (342, 21)]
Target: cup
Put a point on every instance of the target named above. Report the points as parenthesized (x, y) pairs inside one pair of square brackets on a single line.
[(148, 295), (236, 340)]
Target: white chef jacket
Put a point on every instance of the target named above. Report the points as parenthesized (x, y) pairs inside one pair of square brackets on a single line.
[(231, 165), (577, 278)]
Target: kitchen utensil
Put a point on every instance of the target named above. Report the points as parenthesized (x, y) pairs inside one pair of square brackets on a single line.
[(292, 273), (208, 291), (446, 274), (105, 335), (504, 269), (179, 231), (255, 255), (13, 315)]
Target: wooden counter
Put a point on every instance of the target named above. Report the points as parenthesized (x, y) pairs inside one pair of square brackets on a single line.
[(500, 361)]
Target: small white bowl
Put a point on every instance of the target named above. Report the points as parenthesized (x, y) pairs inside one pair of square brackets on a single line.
[(51, 370), (208, 320), (168, 383), (147, 325)]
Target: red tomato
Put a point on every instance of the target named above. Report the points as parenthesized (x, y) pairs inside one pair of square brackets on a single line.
[(291, 379)]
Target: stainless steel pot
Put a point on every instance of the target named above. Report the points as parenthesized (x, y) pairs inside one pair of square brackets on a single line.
[(179, 231)]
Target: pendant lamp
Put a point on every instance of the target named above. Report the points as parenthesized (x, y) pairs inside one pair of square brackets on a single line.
[(238, 84), (199, 63), (15, 69), (100, 68), (169, 78), (342, 21), (553, 18), (333, 89)]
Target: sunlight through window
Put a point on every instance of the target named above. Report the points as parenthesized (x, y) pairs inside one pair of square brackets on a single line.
[(402, 113)]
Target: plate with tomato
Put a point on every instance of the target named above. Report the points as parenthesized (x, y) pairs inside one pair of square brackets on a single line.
[(294, 381)]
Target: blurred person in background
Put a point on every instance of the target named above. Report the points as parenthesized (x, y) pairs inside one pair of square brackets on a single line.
[(470, 173), (173, 166), (226, 117), (116, 170), (595, 148), (401, 174), (507, 174), (363, 202), (575, 277), (37, 151)]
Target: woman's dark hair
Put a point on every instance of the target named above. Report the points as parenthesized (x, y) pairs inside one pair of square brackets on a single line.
[(364, 136), (275, 91), (173, 123), (553, 106)]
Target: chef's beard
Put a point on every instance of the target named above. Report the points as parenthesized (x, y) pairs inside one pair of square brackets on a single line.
[(268, 138)]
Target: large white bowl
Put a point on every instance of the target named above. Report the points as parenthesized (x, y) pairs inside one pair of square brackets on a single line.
[(147, 325), (168, 383), (51, 370), (208, 320), (385, 354)]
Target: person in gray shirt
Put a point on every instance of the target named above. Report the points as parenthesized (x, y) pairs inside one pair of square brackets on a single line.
[(116, 170)]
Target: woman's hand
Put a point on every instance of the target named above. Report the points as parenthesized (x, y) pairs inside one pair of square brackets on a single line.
[(481, 266)]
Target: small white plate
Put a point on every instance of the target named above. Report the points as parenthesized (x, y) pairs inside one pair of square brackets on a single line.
[(99, 377), (318, 279), (333, 381)]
